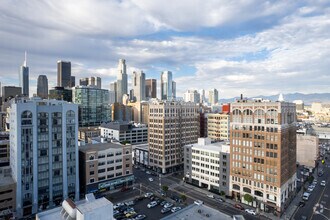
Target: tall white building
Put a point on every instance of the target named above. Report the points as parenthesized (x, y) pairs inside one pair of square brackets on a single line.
[(191, 96), (167, 86), (202, 95), (44, 153), (213, 96), (171, 126), (139, 86), (121, 80)]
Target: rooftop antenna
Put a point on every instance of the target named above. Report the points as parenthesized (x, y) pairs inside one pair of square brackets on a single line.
[(24, 64)]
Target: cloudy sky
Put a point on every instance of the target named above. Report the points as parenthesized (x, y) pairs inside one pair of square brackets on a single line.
[(237, 46)]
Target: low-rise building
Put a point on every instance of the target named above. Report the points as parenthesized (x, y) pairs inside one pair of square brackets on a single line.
[(307, 150), (125, 132), (198, 212), (206, 164), (105, 166), (86, 133), (218, 126), (7, 193), (87, 209)]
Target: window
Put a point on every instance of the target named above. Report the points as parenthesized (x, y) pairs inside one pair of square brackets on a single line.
[(91, 173), (91, 180)]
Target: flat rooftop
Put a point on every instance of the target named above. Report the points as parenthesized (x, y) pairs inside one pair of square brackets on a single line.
[(198, 212), (100, 146)]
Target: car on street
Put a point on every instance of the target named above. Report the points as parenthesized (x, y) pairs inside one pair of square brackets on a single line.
[(250, 211), (310, 189), (152, 204), (238, 206), (131, 215), (162, 203), (165, 210), (306, 196), (322, 183), (198, 202), (168, 205), (210, 196), (148, 194), (218, 199), (321, 172), (151, 179), (140, 217), (175, 209)]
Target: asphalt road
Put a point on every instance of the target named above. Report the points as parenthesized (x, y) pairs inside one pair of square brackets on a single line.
[(320, 195)]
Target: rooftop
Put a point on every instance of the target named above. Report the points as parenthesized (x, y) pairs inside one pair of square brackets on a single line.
[(198, 212), (101, 146), (205, 144), (122, 125)]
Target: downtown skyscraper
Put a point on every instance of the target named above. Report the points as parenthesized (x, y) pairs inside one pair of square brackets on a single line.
[(139, 86), (121, 80), (167, 86), (24, 78), (42, 86), (151, 88), (64, 74)]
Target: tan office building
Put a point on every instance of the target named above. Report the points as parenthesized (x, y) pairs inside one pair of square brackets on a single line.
[(218, 126), (263, 152), (171, 126)]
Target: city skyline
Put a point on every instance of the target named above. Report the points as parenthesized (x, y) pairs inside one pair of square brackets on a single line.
[(270, 48)]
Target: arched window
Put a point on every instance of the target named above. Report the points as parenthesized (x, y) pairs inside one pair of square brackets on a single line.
[(272, 116), (26, 118), (247, 190), (259, 116), (247, 116), (237, 187), (236, 115)]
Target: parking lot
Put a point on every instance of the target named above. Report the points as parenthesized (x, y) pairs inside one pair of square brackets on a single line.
[(140, 207)]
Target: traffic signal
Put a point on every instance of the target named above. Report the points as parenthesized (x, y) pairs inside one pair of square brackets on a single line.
[(323, 161)]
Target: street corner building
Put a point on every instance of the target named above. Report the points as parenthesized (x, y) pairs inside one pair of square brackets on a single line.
[(263, 153)]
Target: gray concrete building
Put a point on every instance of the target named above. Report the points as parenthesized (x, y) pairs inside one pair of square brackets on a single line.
[(42, 87)]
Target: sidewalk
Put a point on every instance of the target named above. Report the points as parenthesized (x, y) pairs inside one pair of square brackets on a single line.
[(229, 201)]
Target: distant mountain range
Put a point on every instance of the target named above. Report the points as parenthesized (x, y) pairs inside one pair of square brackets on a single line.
[(307, 98)]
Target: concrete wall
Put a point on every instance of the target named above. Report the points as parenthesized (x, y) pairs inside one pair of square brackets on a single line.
[(307, 150)]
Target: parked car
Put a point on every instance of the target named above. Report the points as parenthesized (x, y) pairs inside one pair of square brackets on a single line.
[(165, 210), (151, 179), (168, 205), (198, 202), (162, 203), (129, 203), (152, 204), (140, 217), (322, 183), (131, 215), (250, 211), (138, 198), (120, 204), (148, 172), (301, 204), (219, 199), (148, 194), (306, 196), (175, 209), (238, 206), (129, 210)]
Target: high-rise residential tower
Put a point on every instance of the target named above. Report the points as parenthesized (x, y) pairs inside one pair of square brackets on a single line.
[(263, 152), (213, 96), (171, 126), (42, 87), (43, 153), (166, 82), (139, 86), (202, 94), (63, 73), (121, 80), (151, 88), (24, 78)]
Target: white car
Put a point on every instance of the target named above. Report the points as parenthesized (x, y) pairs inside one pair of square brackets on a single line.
[(147, 195), (168, 205), (210, 196), (322, 183), (151, 179), (250, 211), (310, 189), (152, 204), (148, 172), (175, 209), (198, 202)]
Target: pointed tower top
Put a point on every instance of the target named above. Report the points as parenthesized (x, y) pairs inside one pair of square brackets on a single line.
[(24, 64), (281, 98)]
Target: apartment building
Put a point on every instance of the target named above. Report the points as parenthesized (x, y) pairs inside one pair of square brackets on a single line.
[(171, 126), (263, 152), (105, 167), (4, 149), (218, 126), (207, 165), (132, 133), (43, 153)]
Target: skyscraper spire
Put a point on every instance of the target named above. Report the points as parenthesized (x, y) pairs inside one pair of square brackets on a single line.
[(24, 64)]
